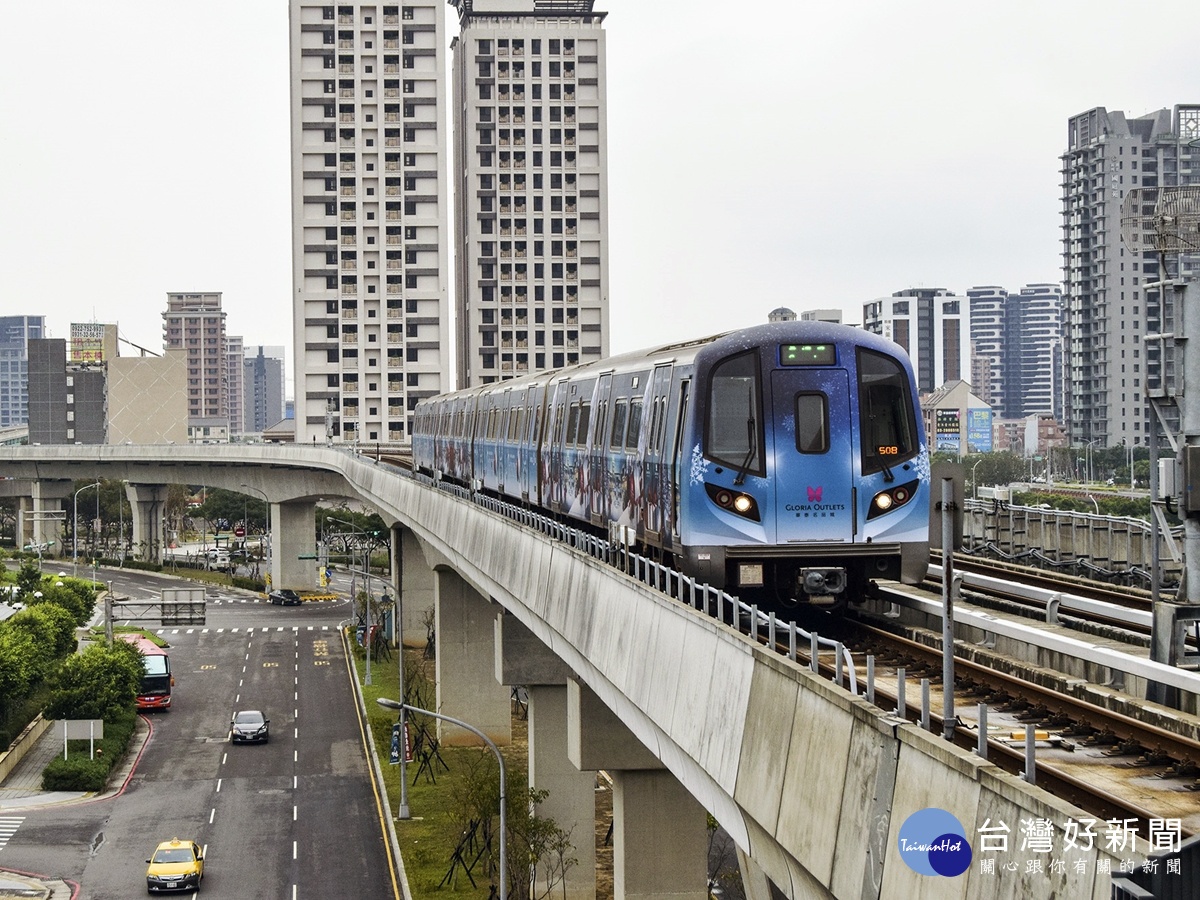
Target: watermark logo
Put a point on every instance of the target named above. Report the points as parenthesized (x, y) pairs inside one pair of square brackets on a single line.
[(933, 842)]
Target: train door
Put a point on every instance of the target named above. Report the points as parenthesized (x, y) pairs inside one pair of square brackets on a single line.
[(597, 480), (813, 455), (655, 490), (677, 460)]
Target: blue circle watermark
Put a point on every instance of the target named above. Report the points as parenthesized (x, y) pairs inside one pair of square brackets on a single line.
[(933, 842)]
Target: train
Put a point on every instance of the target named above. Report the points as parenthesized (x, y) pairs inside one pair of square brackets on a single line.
[(784, 463)]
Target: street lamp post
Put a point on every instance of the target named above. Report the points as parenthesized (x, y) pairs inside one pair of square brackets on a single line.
[(75, 525), (366, 588), (974, 483), (403, 707), (266, 528)]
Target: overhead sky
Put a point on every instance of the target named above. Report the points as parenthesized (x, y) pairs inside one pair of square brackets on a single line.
[(761, 154)]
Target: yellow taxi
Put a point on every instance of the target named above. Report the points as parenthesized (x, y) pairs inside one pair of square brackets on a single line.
[(175, 866)]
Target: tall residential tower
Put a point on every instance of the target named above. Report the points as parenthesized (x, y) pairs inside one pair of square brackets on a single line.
[(1109, 309), (370, 240), (195, 324), (932, 325), (531, 208)]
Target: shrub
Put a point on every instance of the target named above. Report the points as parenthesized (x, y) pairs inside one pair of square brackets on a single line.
[(76, 773), (80, 773)]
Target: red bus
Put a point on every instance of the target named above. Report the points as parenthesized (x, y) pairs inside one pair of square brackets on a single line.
[(155, 690)]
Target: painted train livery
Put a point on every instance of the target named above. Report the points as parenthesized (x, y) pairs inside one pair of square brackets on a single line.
[(785, 463)]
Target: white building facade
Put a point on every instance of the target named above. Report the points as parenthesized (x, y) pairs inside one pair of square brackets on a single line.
[(370, 211), (532, 198)]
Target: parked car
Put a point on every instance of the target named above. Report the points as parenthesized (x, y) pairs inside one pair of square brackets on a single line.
[(284, 597), (175, 866), (249, 726)]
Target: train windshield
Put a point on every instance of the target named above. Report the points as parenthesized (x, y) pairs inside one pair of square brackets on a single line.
[(733, 432), (888, 422)]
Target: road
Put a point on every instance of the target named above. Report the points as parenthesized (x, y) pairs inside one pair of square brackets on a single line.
[(296, 817)]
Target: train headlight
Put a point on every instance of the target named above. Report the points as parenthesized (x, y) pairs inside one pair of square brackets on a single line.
[(892, 498), (733, 501)]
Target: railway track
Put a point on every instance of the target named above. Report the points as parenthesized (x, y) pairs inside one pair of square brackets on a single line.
[(1102, 758)]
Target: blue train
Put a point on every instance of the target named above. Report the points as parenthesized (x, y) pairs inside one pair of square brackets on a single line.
[(785, 463)]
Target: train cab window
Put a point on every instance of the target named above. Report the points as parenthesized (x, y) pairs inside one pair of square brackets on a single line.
[(635, 424), (812, 423), (618, 424), (733, 430), (887, 420)]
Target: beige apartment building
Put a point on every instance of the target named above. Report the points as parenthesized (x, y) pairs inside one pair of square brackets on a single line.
[(370, 208)]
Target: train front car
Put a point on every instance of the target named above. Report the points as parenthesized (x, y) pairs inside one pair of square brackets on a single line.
[(808, 473)]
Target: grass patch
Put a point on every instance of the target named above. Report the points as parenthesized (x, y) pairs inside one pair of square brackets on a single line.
[(428, 840)]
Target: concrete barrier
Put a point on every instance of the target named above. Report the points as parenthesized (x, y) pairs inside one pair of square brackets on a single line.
[(25, 742)]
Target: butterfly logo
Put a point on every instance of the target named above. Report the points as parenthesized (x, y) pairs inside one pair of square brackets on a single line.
[(814, 494)]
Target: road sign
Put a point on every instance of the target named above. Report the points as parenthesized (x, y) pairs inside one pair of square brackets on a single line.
[(239, 531)]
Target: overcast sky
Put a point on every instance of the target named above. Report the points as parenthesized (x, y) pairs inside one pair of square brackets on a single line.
[(761, 154)]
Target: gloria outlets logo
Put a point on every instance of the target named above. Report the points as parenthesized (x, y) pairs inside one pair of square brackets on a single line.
[(933, 842)]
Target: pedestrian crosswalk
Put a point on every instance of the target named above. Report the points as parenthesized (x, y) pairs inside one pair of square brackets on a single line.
[(8, 827)]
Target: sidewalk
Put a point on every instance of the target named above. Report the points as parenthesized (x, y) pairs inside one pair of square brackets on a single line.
[(22, 790)]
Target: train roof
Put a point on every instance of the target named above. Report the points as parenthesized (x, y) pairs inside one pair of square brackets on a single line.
[(686, 351)]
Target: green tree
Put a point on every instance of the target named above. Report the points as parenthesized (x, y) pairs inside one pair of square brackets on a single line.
[(51, 626), (29, 580), (76, 596), (18, 663), (99, 683)]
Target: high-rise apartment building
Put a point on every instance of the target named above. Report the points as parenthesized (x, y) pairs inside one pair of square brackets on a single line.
[(263, 388), (1109, 309), (15, 334), (1016, 346), (531, 204), (370, 239), (931, 324), (195, 323), (234, 360)]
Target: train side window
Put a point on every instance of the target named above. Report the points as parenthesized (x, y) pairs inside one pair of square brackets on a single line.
[(812, 423), (887, 418), (635, 424), (734, 427), (585, 415), (572, 425), (618, 424)]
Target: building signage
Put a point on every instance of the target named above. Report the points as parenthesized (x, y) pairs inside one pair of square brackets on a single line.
[(87, 342), (979, 430), (948, 429)]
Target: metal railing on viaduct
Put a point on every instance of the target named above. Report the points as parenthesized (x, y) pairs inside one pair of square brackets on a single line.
[(815, 785)]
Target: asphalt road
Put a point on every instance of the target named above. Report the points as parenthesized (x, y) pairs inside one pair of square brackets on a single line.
[(293, 818)]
